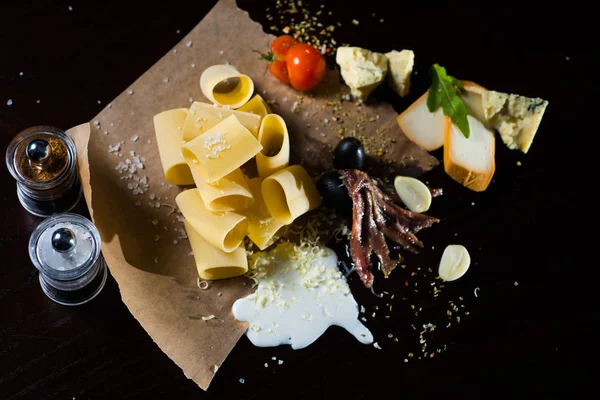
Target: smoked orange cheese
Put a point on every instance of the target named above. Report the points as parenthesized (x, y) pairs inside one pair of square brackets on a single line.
[(229, 193), (421, 126), (289, 193), (203, 116), (470, 161), (224, 230), (222, 149), (224, 85), (212, 263), (168, 126), (262, 227), (274, 138), (256, 105)]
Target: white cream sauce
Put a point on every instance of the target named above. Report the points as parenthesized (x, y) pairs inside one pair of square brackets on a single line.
[(300, 294)]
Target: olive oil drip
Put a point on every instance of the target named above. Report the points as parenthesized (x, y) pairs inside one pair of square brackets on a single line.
[(59, 158)]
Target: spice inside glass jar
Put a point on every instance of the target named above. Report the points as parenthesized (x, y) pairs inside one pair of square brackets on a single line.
[(43, 161)]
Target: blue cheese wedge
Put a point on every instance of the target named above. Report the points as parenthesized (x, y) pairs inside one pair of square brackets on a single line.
[(362, 70), (400, 67), (516, 118)]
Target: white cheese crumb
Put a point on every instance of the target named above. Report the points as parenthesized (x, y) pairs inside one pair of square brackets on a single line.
[(216, 368), (242, 380), (274, 358), (280, 362), (221, 52), (189, 43), (475, 291), (135, 138), (21, 73), (355, 22), (174, 50), (70, 8), (99, 102), (9, 102), (377, 346), (166, 79), (362, 309), (37, 101), (193, 65), (130, 91), (266, 365), (115, 148), (208, 318), (96, 122)]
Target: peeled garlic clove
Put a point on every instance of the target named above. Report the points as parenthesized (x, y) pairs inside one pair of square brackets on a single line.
[(455, 262), (413, 193)]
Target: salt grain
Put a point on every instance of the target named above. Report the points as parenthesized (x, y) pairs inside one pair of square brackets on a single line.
[(9, 102), (189, 44)]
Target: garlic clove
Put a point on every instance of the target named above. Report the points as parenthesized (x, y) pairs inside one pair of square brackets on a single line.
[(454, 263), (413, 193)]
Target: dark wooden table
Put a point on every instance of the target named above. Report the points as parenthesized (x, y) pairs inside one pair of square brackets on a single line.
[(530, 329)]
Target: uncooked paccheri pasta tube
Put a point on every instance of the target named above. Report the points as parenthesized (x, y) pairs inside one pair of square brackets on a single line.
[(203, 116), (274, 138), (289, 193), (229, 193), (224, 85), (223, 230), (213, 263), (222, 149), (168, 126)]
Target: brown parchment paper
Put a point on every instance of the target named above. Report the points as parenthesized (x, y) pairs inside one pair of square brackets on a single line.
[(143, 240)]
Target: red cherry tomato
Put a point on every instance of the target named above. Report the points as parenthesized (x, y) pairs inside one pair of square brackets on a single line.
[(298, 64), (279, 70), (306, 66), (280, 46)]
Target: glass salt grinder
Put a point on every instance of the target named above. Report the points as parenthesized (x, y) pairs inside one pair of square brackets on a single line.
[(43, 161), (66, 249)]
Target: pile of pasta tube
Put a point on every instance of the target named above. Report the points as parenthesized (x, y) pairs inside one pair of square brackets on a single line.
[(205, 147)]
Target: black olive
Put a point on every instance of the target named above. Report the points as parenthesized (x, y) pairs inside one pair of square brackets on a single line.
[(334, 193), (349, 154)]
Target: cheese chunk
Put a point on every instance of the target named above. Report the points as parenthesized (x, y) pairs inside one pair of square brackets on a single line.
[(274, 138), (421, 126), (400, 67), (361, 69), (211, 262), (167, 128), (470, 161), (203, 116), (222, 149), (223, 230), (256, 105), (224, 85), (289, 193), (516, 118), (262, 227), (472, 96), (229, 193)]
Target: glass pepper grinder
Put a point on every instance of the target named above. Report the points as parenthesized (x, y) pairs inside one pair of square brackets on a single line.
[(66, 249), (43, 161)]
